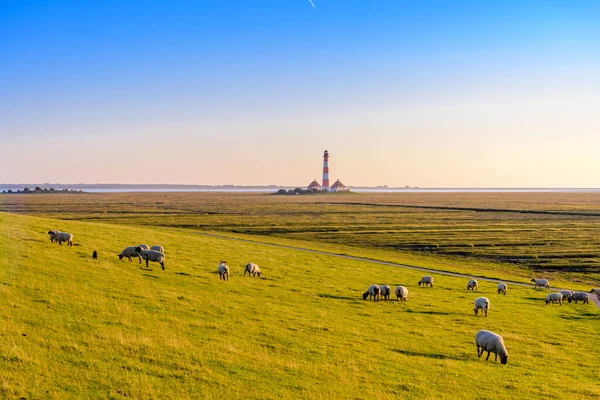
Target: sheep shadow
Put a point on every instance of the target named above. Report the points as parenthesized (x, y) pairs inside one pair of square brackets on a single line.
[(151, 276), (146, 269), (583, 316), (331, 296), (182, 273), (428, 312), (534, 298), (435, 356)]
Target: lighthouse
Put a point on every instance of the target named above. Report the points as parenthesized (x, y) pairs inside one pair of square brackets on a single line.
[(325, 171)]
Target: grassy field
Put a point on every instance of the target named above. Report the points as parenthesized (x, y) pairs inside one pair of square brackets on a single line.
[(550, 234), (78, 328)]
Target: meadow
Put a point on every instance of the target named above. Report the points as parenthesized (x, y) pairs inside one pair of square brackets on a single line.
[(79, 328)]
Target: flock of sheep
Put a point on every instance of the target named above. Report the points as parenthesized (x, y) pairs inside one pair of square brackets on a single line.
[(484, 340)]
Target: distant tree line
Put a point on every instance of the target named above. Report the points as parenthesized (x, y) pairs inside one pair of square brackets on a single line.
[(40, 190)]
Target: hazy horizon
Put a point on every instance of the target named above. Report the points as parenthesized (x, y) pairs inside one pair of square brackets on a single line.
[(430, 94)]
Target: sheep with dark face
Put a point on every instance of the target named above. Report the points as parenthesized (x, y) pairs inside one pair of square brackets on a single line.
[(223, 270), (401, 293), (386, 291), (502, 288), (472, 285), (158, 248), (130, 252), (597, 291), (373, 291), (567, 295), (253, 269), (95, 255), (143, 246), (492, 343), (542, 283), (426, 280), (151, 255), (581, 296), (62, 237)]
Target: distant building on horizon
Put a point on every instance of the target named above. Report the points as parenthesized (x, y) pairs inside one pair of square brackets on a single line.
[(325, 187), (338, 186), (314, 186)]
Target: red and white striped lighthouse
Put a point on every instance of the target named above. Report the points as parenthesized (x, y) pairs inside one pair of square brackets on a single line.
[(326, 171)]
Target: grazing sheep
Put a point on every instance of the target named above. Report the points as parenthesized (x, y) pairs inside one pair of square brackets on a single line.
[(581, 296), (386, 291), (373, 291), (223, 270), (502, 288), (553, 298), (130, 252), (158, 248), (95, 255), (62, 237), (567, 295), (401, 293), (426, 280), (597, 291), (51, 234), (151, 255), (253, 269), (483, 304), (143, 246), (472, 285), (543, 283), (492, 343)]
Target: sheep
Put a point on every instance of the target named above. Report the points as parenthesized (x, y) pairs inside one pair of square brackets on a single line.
[(567, 295), (143, 246), (554, 297), (472, 285), (51, 234), (597, 291), (95, 255), (373, 291), (426, 280), (581, 296), (253, 269), (223, 270), (158, 248), (401, 293), (62, 237), (386, 291), (130, 252), (492, 343), (151, 255), (483, 304), (543, 283), (502, 288)]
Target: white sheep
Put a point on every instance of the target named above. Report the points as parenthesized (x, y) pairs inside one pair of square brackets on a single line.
[(373, 291), (143, 246), (483, 304), (581, 296), (426, 280), (553, 298), (472, 285), (151, 255), (157, 248), (130, 252), (543, 283), (502, 288), (401, 293), (223, 271), (253, 269), (597, 291), (386, 291), (62, 237), (567, 295), (492, 343)]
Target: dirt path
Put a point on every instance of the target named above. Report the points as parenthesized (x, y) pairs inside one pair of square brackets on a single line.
[(593, 297)]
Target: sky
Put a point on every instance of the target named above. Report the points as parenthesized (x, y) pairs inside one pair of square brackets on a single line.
[(420, 93)]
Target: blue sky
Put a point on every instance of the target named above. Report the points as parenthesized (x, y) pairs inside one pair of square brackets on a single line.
[(390, 87)]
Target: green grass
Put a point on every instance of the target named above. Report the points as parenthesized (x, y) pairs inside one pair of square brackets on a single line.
[(74, 327)]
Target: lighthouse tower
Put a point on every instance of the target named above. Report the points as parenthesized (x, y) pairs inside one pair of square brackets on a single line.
[(326, 171)]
